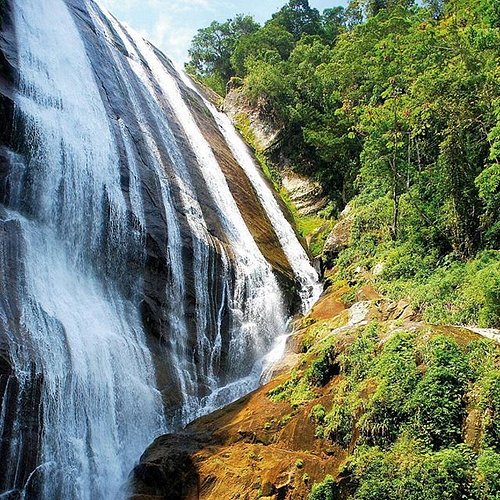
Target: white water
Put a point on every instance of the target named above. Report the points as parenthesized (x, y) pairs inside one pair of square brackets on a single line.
[(100, 407), (82, 328), (256, 301), (310, 287)]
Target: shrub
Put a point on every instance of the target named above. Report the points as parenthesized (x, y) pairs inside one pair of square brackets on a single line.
[(437, 404), (324, 490), (396, 371)]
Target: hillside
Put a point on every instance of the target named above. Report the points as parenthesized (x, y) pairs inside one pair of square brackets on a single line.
[(378, 125), (392, 111), (370, 403)]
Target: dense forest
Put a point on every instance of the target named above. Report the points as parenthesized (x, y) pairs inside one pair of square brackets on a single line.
[(394, 108)]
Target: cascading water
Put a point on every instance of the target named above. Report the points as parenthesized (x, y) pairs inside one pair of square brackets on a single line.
[(137, 297), (309, 286), (81, 334)]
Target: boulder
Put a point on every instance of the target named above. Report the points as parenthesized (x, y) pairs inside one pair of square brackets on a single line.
[(338, 239), (307, 195)]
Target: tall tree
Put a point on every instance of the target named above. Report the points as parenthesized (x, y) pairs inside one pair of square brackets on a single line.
[(299, 18), (212, 47)]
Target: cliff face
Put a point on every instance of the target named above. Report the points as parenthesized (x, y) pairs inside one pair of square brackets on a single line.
[(266, 131), (323, 409)]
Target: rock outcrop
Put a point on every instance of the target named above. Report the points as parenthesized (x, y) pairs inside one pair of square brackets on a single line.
[(306, 194), (267, 446), (338, 239), (265, 128)]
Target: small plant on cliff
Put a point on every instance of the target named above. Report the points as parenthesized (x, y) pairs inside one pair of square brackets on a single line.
[(324, 490)]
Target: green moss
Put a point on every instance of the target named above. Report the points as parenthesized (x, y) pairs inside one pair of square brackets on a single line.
[(285, 420), (296, 391), (320, 332), (242, 123)]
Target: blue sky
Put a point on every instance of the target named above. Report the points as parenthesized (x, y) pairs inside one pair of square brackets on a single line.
[(171, 24)]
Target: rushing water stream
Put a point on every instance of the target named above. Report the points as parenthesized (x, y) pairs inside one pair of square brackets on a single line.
[(138, 297)]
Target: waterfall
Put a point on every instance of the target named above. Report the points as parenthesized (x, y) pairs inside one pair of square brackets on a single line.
[(136, 296), (309, 286)]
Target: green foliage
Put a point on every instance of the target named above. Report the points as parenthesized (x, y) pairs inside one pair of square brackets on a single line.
[(437, 405), (271, 43), (408, 404), (324, 490), (298, 18), (394, 107), (318, 414), (296, 390), (323, 368), (488, 475), (412, 473), (356, 360), (489, 403), (455, 293), (397, 375), (404, 405), (211, 49), (408, 471), (340, 421)]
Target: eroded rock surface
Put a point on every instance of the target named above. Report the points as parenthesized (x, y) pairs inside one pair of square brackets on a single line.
[(264, 446)]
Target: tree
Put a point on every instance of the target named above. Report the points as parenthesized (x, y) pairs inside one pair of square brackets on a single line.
[(436, 8), (371, 8), (334, 23), (212, 47), (271, 42), (298, 18)]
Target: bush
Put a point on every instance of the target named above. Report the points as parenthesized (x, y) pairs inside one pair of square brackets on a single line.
[(397, 376), (410, 472), (488, 475), (323, 369), (437, 405), (324, 490), (489, 402)]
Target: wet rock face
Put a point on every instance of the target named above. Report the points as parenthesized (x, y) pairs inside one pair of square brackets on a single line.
[(157, 272), (17, 442), (245, 196)]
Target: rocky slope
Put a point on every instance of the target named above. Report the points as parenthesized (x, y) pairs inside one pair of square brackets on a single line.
[(340, 394), (279, 440), (266, 136)]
